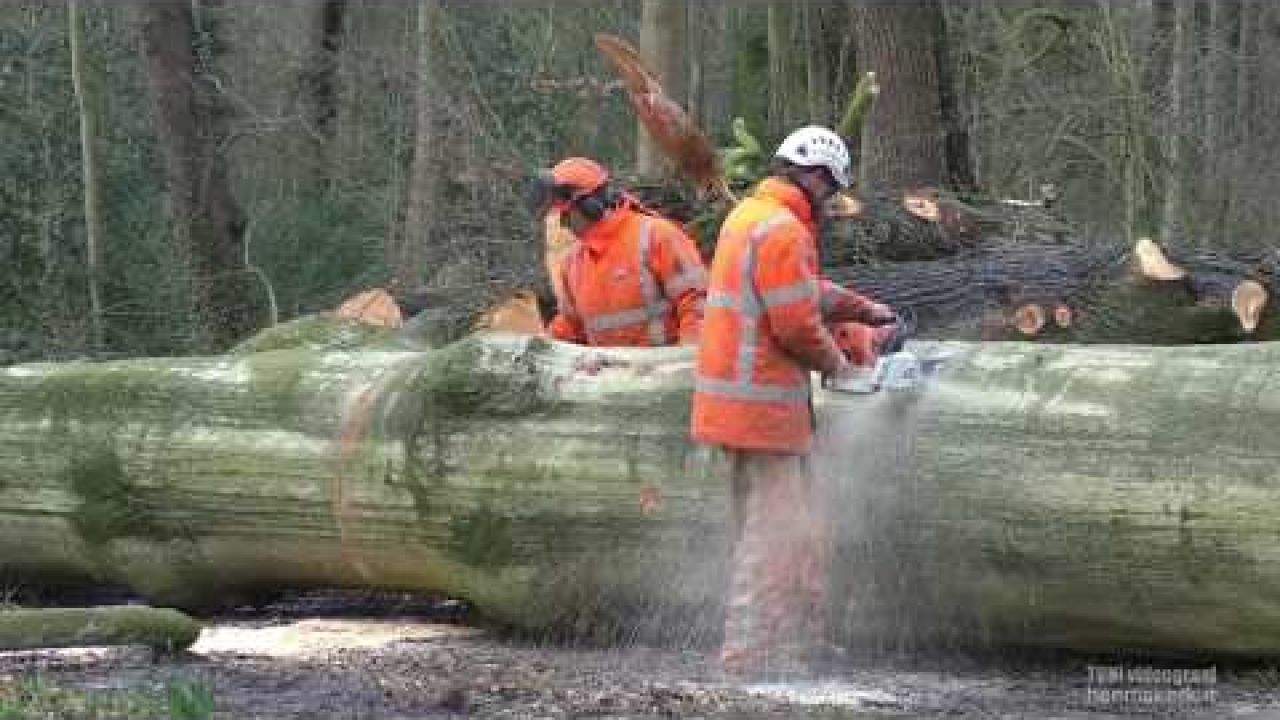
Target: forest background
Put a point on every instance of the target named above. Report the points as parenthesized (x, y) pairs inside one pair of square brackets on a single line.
[(177, 175)]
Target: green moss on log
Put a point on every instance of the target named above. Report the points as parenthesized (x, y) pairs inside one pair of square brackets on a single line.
[(467, 379), (110, 506), (158, 628), (321, 331), (482, 538)]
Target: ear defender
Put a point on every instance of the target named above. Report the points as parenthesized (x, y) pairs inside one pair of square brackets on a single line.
[(594, 206)]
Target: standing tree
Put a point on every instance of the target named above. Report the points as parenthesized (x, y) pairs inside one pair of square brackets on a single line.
[(663, 47), (904, 139), (1179, 117), (189, 119), (89, 168), (786, 102), (319, 77), (416, 253), (710, 66)]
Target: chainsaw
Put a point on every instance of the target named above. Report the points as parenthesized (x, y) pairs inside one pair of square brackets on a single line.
[(895, 368)]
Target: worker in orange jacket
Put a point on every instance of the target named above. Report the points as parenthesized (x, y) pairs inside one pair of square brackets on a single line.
[(634, 278), (765, 329)]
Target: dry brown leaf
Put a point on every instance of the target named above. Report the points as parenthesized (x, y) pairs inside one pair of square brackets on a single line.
[(671, 128)]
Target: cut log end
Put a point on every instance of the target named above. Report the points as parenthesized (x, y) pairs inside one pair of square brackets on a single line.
[(1248, 300), (1029, 320), (1063, 316), (1152, 263), (845, 206), (372, 307), (923, 204), (518, 314)]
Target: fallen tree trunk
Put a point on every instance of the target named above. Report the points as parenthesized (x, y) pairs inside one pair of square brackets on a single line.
[(1041, 495)]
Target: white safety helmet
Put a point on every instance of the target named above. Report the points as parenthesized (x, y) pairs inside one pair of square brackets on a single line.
[(816, 146)]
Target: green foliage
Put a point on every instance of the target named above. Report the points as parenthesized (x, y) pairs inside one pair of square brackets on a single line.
[(746, 162), (189, 699), (34, 698)]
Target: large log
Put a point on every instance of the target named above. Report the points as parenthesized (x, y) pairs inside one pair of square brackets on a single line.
[(1080, 293), (1047, 495)]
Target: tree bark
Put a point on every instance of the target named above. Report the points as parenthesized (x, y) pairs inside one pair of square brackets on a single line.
[(663, 47), (904, 138), (817, 74), (418, 249), (207, 223), (93, 230), (1039, 495), (319, 79), (1179, 128)]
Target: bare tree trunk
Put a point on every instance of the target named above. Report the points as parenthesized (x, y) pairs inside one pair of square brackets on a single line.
[(1224, 23), (959, 156), (1224, 20), (1173, 213), (417, 253), (782, 76), (89, 166), (663, 47), (1244, 105), (206, 222), (319, 78), (817, 73), (711, 67), (903, 139)]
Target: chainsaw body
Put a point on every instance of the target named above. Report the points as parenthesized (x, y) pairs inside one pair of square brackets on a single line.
[(891, 366)]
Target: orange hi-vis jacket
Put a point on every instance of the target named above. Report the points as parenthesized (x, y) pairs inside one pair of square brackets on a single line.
[(633, 280), (764, 326)]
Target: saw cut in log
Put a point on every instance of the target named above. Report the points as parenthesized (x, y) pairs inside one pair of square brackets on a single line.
[(1153, 264), (1036, 495), (1249, 300)]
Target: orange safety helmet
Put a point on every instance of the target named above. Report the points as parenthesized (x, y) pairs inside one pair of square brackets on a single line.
[(571, 180)]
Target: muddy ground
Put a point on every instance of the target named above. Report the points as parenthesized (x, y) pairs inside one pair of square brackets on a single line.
[(310, 661)]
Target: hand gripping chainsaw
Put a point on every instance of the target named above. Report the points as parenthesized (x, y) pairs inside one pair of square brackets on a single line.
[(895, 367)]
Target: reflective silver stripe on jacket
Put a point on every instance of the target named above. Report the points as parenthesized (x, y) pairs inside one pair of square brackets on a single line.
[(654, 311), (760, 393), (654, 305), (751, 305), (805, 290)]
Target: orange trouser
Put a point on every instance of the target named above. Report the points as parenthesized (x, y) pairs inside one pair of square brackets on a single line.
[(781, 546)]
